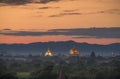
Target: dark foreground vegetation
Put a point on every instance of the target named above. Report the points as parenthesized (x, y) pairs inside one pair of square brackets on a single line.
[(50, 70)]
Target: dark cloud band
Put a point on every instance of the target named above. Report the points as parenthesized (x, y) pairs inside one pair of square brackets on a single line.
[(77, 32), (20, 2)]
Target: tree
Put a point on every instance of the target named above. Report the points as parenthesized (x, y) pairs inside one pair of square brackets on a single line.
[(93, 54), (45, 73), (8, 76)]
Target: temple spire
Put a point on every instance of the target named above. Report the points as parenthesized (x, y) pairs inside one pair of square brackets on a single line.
[(48, 53)]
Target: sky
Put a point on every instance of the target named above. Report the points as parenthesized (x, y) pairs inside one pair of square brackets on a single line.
[(91, 21)]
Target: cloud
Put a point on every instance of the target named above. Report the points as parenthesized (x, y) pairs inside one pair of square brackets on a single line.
[(48, 7), (71, 10), (76, 12), (21, 2), (7, 29), (113, 32), (65, 13), (108, 1), (109, 11), (113, 11), (47, 1), (44, 7), (15, 2), (92, 32)]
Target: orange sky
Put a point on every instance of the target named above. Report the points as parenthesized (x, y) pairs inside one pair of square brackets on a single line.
[(67, 14)]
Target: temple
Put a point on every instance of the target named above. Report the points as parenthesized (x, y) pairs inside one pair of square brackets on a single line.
[(73, 51), (73, 56), (48, 53)]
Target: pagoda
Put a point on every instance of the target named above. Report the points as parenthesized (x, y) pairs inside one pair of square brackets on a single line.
[(48, 53), (73, 55), (73, 52)]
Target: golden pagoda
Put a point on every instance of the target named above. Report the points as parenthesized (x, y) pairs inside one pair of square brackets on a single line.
[(73, 51), (48, 53)]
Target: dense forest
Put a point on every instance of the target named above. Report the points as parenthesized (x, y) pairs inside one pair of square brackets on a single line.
[(50, 70)]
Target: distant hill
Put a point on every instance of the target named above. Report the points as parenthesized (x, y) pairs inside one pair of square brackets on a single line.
[(60, 47)]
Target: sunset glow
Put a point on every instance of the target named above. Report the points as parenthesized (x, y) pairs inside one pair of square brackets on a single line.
[(63, 14)]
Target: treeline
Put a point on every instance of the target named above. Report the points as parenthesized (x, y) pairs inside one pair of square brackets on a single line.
[(109, 70)]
